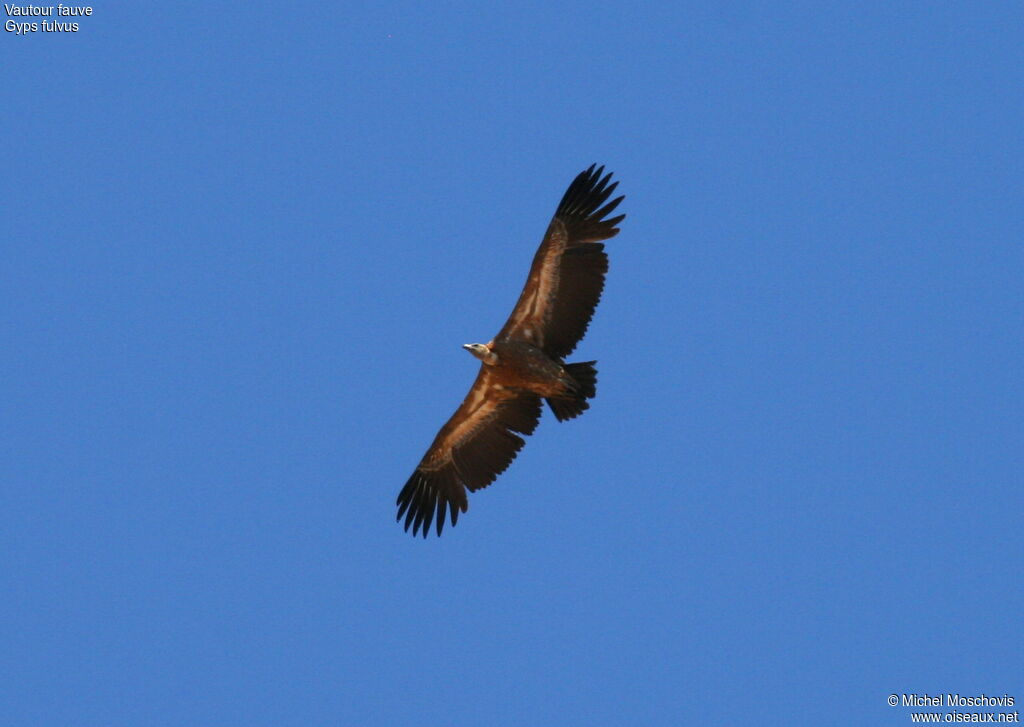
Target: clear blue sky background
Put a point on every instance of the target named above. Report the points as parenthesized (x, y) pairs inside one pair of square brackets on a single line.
[(243, 243)]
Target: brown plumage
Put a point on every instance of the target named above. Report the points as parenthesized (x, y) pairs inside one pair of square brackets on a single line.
[(524, 363)]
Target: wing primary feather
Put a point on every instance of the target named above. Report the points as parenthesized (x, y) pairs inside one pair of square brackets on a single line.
[(576, 190), (406, 496), (403, 504), (420, 512), (428, 511), (586, 193), (603, 212), (415, 515), (599, 188), (409, 516), (455, 514), (441, 505)]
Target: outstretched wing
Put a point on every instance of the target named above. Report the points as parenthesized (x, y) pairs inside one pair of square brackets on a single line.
[(470, 451), (567, 275)]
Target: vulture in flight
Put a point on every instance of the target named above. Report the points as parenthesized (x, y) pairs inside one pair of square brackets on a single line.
[(525, 361)]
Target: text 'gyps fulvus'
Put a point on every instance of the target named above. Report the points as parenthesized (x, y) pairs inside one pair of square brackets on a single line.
[(524, 363)]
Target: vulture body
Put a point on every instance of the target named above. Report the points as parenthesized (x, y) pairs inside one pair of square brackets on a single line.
[(524, 363)]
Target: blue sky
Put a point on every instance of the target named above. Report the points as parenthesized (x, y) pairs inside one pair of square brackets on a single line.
[(243, 243)]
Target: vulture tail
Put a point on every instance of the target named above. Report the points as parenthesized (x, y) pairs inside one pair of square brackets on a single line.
[(574, 403)]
